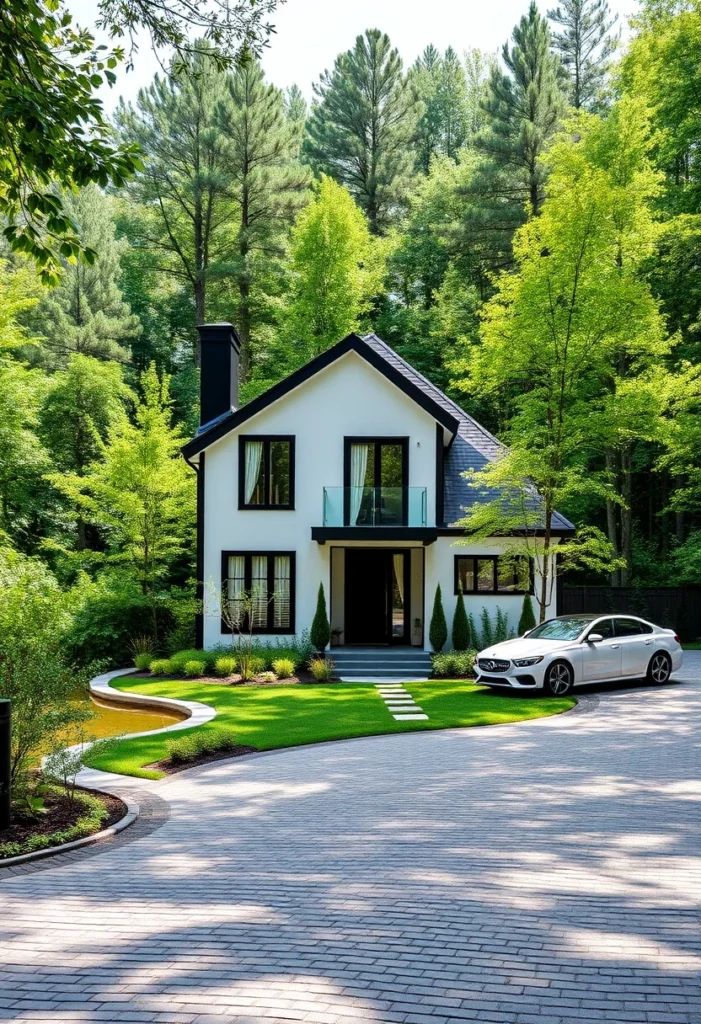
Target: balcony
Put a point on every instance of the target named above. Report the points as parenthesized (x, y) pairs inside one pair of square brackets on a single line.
[(374, 513)]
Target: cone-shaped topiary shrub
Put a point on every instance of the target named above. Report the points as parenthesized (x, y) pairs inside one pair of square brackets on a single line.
[(461, 627), (438, 631), (527, 620), (321, 631)]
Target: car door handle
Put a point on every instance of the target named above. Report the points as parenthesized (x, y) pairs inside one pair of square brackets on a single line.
[(614, 647), (648, 642)]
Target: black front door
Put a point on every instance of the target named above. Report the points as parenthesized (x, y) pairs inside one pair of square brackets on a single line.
[(376, 596)]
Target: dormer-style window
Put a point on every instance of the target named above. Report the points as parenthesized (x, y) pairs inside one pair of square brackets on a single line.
[(266, 472)]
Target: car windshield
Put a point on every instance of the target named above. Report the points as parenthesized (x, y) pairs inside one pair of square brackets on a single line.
[(559, 629)]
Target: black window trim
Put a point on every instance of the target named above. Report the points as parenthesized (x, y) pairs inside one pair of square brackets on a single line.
[(348, 442), (632, 618), (495, 591), (266, 439), (271, 628)]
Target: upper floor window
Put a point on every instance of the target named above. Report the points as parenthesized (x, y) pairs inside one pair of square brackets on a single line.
[(490, 574), (376, 474), (266, 472)]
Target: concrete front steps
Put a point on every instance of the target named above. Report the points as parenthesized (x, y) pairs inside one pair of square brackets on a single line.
[(373, 663)]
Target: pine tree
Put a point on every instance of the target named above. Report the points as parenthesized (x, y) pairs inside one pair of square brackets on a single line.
[(86, 313), (438, 630), (527, 619), (585, 47), (268, 188), (296, 111), (524, 105), (461, 627), (362, 125), (320, 633), (439, 83), (183, 190)]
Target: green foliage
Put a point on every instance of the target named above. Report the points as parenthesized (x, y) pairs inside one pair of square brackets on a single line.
[(461, 627), (267, 677), (438, 630), (439, 83), (161, 667), (225, 667), (321, 630), (454, 665), (106, 619), (91, 821), (192, 669), (487, 637), (258, 664), (187, 748), (501, 627), (143, 661), (335, 272), (322, 669), (362, 124), (527, 620), (283, 668)]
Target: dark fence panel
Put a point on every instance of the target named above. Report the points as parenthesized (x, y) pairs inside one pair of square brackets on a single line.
[(677, 608)]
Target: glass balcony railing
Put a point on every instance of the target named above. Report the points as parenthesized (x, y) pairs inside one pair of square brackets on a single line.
[(375, 506)]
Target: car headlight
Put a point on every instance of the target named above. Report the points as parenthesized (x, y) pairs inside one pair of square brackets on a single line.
[(525, 662)]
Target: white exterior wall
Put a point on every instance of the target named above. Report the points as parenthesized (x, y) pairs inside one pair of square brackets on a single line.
[(348, 398)]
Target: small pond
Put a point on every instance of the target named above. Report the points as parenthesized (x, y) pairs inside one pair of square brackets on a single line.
[(116, 719)]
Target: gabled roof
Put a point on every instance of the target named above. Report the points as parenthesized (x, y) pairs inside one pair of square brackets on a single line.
[(472, 448), (441, 412)]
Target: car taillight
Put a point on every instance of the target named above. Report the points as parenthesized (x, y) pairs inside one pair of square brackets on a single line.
[(677, 639)]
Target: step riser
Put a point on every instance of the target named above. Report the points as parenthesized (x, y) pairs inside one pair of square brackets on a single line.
[(379, 675)]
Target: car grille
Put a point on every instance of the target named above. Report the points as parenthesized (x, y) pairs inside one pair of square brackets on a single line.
[(493, 665), (495, 679)]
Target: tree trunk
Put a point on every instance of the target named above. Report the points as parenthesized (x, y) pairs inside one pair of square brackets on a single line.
[(543, 599), (611, 525), (627, 515), (679, 518)]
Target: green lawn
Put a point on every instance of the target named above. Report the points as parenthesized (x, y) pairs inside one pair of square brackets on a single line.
[(267, 717)]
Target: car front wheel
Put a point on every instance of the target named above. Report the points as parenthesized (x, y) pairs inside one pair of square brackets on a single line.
[(660, 668), (559, 679)]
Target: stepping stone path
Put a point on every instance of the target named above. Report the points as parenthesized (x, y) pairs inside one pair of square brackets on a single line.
[(400, 704)]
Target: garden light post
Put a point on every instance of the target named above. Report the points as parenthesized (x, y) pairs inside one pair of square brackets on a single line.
[(5, 729)]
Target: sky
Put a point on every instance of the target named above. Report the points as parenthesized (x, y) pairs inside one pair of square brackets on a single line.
[(310, 33)]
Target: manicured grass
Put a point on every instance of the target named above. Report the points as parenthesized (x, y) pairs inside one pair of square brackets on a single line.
[(267, 717)]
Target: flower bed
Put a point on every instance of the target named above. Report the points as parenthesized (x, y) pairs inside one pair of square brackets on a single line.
[(60, 821)]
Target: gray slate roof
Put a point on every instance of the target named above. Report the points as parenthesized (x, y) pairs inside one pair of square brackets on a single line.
[(472, 448)]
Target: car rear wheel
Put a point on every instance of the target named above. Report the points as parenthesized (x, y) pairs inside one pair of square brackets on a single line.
[(660, 668), (559, 679)]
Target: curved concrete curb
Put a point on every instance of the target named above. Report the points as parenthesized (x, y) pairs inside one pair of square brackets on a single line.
[(113, 830)]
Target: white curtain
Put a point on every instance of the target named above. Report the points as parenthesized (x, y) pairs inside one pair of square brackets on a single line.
[(254, 452), (358, 466), (399, 575), (259, 590), (281, 611), (237, 583)]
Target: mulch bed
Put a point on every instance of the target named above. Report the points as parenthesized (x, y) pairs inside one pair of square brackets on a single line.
[(61, 813), (236, 680), (168, 768)]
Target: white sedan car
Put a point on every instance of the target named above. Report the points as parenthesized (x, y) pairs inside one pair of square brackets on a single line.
[(574, 649)]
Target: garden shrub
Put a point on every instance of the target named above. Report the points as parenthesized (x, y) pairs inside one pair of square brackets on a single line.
[(161, 667), (225, 666), (322, 669), (87, 824), (454, 664), (258, 664), (527, 620), (193, 669), (143, 661), (501, 628), (203, 741), (438, 630), (321, 630), (461, 627), (283, 668), (487, 638), (179, 660), (267, 677)]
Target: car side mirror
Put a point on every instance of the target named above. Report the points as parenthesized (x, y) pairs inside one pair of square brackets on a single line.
[(594, 638)]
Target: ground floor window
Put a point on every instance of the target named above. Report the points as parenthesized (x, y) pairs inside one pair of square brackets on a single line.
[(260, 584), (493, 574)]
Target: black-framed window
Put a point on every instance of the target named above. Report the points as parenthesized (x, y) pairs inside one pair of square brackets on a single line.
[(269, 578), (267, 471), (492, 574), (375, 480)]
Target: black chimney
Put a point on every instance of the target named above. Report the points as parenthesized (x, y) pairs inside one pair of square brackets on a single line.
[(219, 370)]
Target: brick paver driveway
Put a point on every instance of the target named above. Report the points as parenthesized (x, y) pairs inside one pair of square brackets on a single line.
[(540, 872)]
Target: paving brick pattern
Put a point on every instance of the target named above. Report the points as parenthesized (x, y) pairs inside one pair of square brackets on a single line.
[(529, 874)]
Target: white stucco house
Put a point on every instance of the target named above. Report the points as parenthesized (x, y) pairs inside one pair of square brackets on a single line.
[(346, 473)]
